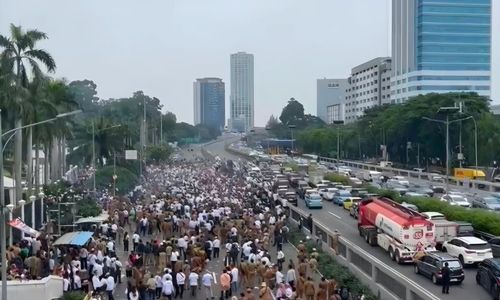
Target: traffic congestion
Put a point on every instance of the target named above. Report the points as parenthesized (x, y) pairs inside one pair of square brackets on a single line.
[(422, 242)]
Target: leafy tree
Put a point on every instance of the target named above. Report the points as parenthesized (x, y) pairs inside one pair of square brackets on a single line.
[(293, 111), (85, 94), (273, 122), (158, 154), (19, 56)]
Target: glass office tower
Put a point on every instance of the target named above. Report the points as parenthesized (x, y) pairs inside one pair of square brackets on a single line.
[(440, 46)]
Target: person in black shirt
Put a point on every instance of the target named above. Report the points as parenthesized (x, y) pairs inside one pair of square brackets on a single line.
[(445, 279)]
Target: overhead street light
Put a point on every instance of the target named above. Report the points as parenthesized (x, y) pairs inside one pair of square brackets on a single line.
[(338, 122), (447, 110), (3, 249)]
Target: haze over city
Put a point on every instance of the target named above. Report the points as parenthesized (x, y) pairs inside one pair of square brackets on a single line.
[(161, 47)]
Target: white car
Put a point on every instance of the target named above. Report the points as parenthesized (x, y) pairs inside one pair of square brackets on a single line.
[(433, 215), (456, 200), (355, 181), (330, 192), (468, 249), (401, 180)]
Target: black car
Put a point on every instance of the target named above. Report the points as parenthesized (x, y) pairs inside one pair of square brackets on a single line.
[(430, 265), (488, 276)]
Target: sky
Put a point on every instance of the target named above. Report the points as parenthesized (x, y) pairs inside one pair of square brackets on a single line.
[(162, 46)]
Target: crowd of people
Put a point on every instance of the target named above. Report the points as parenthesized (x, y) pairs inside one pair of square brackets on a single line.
[(196, 230), (195, 213)]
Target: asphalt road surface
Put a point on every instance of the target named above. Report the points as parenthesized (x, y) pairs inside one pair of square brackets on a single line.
[(335, 217)]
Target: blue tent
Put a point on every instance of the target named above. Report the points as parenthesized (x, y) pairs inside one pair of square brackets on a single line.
[(77, 238)]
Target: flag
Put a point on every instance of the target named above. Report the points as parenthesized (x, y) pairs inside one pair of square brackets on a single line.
[(19, 224)]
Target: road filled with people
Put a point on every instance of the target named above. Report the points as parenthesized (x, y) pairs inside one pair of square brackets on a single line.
[(198, 230)]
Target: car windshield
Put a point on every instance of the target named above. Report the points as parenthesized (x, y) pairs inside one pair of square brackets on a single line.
[(453, 264), (457, 198), (482, 246), (492, 200), (344, 193)]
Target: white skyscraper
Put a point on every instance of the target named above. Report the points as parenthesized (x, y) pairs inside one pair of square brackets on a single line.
[(241, 98)]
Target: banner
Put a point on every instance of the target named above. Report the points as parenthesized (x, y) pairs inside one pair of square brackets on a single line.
[(19, 224)]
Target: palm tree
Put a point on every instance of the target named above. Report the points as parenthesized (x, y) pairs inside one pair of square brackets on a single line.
[(19, 54)]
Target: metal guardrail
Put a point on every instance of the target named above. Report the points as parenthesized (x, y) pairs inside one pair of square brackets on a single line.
[(385, 281), (474, 184)]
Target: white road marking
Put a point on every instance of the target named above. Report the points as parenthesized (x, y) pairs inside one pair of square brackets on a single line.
[(338, 217)]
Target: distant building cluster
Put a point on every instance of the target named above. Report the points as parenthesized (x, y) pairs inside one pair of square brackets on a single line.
[(437, 47), (209, 97)]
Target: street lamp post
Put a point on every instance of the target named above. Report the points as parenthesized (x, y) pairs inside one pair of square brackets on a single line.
[(291, 132), (3, 231), (339, 123), (32, 199), (446, 110), (93, 151), (42, 196)]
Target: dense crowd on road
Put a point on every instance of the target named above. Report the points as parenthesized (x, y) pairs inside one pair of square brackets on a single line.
[(195, 230)]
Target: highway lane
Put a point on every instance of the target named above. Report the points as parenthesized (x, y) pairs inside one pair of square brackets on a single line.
[(335, 217)]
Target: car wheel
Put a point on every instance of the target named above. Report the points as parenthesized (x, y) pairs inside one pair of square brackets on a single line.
[(417, 271), (391, 253), (444, 250), (493, 291), (478, 278), (397, 258), (461, 258), (367, 237), (434, 279)]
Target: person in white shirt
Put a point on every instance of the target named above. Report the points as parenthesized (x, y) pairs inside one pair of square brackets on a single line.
[(234, 281), (193, 282), (98, 269), (291, 276), (174, 257), (77, 281), (110, 286), (280, 258), (135, 238), (181, 281), (216, 247), (207, 281), (168, 287), (110, 246), (158, 285), (279, 276), (66, 283), (96, 283)]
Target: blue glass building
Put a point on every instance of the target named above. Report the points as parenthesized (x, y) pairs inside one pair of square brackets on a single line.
[(209, 102), (440, 46)]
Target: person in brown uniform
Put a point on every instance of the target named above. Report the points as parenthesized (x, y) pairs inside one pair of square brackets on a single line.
[(322, 289), (302, 268), (300, 286), (309, 289)]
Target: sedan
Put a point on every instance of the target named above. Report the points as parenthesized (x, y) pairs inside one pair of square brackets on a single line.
[(340, 196), (421, 189), (488, 202), (456, 200)]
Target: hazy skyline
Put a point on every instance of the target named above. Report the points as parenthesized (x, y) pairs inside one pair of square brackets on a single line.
[(161, 47)]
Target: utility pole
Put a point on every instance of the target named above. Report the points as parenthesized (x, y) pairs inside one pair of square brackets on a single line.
[(3, 225), (93, 155), (418, 156), (460, 154)]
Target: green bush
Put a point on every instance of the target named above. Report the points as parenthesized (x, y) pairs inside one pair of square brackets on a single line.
[(333, 177), (76, 295), (482, 220), (329, 268)]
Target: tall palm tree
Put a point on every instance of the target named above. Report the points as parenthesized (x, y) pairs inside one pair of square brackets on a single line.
[(20, 55)]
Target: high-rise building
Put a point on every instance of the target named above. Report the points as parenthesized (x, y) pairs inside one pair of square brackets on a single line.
[(209, 104), (330, 99), (369, 85), (440, 46), (241, 97)]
